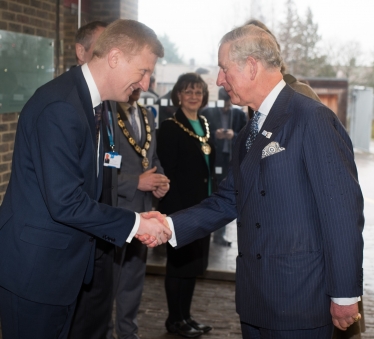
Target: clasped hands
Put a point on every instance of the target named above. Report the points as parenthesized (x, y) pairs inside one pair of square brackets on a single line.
[(153, 229), (224, 133), (151, 181)]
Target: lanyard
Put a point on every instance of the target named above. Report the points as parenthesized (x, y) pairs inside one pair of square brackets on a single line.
[(110, 130)]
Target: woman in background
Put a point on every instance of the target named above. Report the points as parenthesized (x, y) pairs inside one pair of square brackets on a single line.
[(187, 157)]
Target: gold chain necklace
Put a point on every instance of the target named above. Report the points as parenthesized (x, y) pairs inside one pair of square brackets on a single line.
[(205, 147), (141, 151)]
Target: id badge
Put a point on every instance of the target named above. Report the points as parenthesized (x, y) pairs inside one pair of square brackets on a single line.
[(112, 159)]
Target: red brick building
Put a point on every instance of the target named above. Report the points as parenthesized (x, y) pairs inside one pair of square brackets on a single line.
[(57, 20)]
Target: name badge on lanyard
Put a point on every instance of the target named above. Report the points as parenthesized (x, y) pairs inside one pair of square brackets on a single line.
[(111, 159)]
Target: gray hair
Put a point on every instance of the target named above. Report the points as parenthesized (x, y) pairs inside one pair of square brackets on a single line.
[(253, 41)]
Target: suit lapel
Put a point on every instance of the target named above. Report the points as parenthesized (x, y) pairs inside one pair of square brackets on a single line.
[(126, 121), (142, 126), (85, 98), (245, 172)]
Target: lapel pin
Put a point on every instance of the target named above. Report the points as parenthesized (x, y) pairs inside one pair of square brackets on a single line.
[(267, 134)]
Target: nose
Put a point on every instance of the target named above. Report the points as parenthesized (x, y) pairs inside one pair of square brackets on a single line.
[(144, 83), (220, 78)]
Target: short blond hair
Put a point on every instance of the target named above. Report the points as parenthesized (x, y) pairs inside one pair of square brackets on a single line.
[(130, 37)]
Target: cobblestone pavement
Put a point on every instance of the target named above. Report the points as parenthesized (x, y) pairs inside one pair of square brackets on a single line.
[(213, 304)]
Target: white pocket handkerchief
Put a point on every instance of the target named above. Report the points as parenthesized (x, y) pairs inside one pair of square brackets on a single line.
[(271, 149)]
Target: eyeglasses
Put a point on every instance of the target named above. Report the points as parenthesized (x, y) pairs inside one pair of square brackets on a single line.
[(190, 93)]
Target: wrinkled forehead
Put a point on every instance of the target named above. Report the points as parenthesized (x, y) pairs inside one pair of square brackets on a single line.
[(192, 85), (224, 53)]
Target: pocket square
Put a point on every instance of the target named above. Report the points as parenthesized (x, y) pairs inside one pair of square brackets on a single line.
[(271, 149)]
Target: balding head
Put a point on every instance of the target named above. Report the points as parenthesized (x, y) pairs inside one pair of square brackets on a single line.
[(85, 40)]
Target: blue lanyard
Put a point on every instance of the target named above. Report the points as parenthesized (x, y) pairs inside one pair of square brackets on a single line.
[(110, 130)]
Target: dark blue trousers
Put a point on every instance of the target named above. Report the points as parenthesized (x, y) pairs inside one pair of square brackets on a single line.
[(253, 332), (25, 319)]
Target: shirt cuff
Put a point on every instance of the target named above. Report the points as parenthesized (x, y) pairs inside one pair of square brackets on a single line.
[(346, 301), (173, 240), (135, 228)]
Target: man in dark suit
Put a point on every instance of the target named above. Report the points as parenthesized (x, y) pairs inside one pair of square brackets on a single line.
[(293, 188), (51, 215), (140, 178), (93, 309)]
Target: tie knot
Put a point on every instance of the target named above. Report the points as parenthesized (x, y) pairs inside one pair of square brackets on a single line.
[(132, 109), (256, 116), (98, 109)]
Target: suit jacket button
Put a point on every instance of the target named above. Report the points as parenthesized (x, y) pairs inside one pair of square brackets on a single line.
[(91, 239), (236, 192), (258, 225), (205, 180), (258, 256), (239, 224), (240, 254), (263, 193)]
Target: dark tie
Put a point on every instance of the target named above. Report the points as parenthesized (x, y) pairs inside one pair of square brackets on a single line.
[(98, 115), (253, 131), (134, 124)]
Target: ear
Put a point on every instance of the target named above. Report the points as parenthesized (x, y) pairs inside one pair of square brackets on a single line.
[(253, 67), (114, 57), (80, 53)]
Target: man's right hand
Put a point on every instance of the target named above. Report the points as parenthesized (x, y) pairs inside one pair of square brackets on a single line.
[(152, 231), (150, 180)]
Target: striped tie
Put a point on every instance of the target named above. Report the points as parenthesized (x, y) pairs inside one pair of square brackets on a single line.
[(253, 131), (98, 115), (134, 124)]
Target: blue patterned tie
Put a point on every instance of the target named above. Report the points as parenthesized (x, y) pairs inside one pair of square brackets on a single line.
[(134, 124), (253, 131)]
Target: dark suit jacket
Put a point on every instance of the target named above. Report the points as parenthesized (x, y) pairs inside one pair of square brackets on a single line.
[(299, 216), (184, 164), (50, 210)]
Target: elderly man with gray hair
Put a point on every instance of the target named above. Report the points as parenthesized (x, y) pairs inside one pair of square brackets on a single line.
[(292, 186)]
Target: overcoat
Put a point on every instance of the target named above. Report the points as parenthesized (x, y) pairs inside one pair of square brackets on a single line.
[(184, 164)]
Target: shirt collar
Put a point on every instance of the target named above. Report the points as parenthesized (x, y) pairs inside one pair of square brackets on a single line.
[(125, 105), (268, 103), (94, 92)]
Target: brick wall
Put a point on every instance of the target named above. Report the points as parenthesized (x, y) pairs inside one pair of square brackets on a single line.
[(38, 17), (8, 125)]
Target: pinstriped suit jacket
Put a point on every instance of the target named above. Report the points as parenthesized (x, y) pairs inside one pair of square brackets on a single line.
[(299, 216)]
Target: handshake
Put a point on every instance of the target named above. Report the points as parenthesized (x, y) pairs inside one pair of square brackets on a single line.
[(153, 229)]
